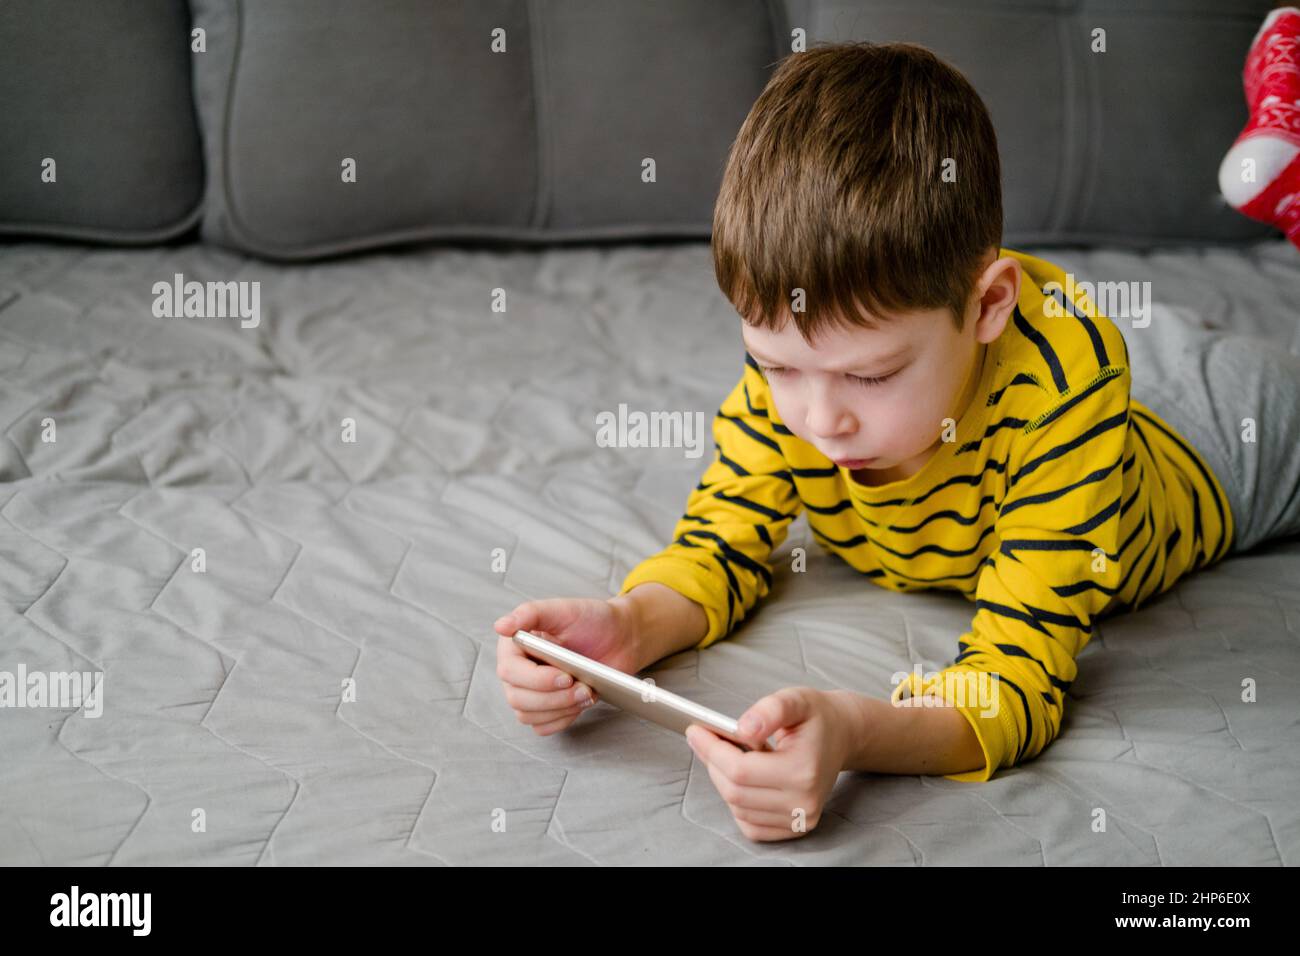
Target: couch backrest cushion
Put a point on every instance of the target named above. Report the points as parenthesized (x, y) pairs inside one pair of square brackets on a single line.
[(98, 136), (546, 140), (1119, 147), (547, 137)]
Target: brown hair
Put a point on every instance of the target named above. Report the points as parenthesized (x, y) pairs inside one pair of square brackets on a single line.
[(834, 186)]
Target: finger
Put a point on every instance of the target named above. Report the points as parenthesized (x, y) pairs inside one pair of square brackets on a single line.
[(710, 748), (517, 668), (507, 624), (786, 708), (775, 819), (537, 717), (553, 726), (522, 698), (771, 834), (738, 766), (548, 615), (522, 618), (757, 799)]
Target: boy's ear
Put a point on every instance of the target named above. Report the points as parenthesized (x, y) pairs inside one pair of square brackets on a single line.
[(1008, 272), (1004, 289)]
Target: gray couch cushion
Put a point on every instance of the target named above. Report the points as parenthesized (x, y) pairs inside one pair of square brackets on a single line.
[(545, 142), (103, 89), (1121, 147), (452, 140)]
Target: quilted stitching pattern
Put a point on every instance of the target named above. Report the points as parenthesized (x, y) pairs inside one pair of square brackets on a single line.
[(372, 561)]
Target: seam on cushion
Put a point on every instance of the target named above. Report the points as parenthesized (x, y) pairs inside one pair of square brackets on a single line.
[(1087, 191), (1064, 190), (17, 228), (541, 127), (778, 18), (233, 224)]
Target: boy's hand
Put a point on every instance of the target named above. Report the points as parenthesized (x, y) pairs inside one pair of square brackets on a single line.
[(779, 795), (542, 695)]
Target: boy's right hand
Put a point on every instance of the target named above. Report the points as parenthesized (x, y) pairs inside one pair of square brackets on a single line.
[(543, 695)]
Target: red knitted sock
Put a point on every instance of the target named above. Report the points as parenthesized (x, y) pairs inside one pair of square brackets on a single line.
[(1271, 138), (1273, 63)]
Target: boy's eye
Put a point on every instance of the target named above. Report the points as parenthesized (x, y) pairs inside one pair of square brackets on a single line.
[(859, 379), (872, 381)]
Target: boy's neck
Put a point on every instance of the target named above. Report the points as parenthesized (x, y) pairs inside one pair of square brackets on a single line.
[(972, 383)]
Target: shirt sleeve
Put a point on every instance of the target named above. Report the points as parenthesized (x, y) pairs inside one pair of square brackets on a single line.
[(740, 512), (1054, 567)]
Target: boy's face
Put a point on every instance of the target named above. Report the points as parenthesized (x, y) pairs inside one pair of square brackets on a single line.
[(918, 367)]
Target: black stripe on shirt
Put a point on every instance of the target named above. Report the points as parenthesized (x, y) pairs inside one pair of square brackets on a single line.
[(1044, 348), (1098, 346)]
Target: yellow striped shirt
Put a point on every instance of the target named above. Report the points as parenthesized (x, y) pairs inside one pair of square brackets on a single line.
[(1060, 501)]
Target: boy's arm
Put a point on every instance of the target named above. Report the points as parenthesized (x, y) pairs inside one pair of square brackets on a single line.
[(663, 621), (739, 513), (906, 737), (1056, 566)]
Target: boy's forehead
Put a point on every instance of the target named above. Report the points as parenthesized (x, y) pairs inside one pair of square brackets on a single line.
[(851, 343)]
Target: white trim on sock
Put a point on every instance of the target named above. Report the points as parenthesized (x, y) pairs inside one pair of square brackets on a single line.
[(1271, 155)]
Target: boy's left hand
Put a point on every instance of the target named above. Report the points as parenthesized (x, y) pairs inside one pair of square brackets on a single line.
[(778, 794)]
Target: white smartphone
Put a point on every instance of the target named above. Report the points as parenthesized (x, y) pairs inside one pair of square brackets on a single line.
[(633, 694)]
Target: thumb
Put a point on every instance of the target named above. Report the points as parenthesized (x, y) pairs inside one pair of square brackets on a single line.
[(785, 708), (544, 618)]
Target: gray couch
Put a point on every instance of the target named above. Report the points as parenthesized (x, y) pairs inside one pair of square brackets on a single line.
[(294, 628)]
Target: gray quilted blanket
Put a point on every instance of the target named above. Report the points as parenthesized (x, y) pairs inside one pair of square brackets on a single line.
[(282, 542)]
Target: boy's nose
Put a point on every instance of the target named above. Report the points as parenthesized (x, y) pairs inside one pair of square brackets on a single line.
[(829, 426)]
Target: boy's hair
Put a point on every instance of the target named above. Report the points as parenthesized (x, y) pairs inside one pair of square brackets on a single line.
[(835, 185)]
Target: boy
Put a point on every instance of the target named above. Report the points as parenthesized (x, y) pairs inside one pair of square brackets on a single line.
[(947, 418)]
